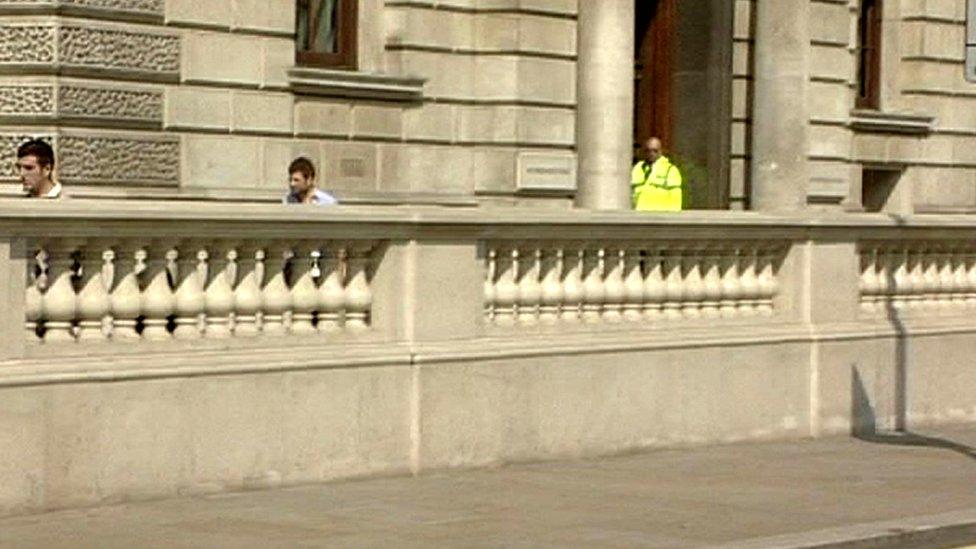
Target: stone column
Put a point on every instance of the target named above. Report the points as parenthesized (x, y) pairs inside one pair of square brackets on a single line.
[(780, 121), (605, 95)]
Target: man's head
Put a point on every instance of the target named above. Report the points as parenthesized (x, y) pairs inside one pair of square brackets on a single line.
[(301, 176), (652, 149), (35, 164)]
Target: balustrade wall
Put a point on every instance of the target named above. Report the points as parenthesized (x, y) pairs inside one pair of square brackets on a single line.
[(589, 282), (155, 349), (82, 290), (925, 277)]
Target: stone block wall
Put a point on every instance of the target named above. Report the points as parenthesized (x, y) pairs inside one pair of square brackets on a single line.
[(923, 130), (203, 90)]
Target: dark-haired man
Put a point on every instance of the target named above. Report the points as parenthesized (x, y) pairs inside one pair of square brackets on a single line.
[(301, 183), (35, 165)]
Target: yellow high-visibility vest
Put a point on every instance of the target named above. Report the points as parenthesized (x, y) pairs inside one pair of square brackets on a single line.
[(657, 187)]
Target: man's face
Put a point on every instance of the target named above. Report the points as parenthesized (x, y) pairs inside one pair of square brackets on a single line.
[(33, 176), (300, 184), (652, 150)]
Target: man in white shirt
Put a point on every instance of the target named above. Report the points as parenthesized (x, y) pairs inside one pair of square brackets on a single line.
[(301, 184), (35, 165)]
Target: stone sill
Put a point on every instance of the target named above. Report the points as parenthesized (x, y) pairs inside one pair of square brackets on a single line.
[(355, 85), (889, 122)]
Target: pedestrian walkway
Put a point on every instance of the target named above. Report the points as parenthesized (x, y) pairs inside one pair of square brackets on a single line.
[(918, 490)]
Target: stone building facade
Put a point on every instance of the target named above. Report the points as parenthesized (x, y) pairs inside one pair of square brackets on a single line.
[(165, 347), (472, 101), (477, 100)]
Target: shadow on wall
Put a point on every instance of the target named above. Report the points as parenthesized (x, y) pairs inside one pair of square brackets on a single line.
[(864, 425)]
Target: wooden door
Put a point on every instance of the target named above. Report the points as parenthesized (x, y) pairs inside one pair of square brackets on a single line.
[(653, 69)]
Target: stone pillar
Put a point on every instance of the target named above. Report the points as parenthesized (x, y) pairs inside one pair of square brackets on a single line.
[(605, 95), (780, 121)]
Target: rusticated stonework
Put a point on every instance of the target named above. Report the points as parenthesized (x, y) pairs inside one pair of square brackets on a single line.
[(8, 151), (27, 44), (137, 7), (26, 100), (110, 104), (117, 49), (120, 106), (87, 48), (120, 160)]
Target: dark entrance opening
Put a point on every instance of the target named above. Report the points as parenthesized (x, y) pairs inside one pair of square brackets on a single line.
[(683, 89)]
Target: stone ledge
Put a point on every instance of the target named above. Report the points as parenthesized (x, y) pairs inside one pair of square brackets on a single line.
[(355, 85), (889, 122)]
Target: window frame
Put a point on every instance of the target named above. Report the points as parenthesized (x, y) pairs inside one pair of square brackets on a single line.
[(869, 43), (346, 42)]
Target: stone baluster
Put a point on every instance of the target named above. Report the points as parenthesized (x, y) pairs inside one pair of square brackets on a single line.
[(304, 294), (947, 279), (275, 294), (191, 274), (593, 269), (506, 290), (157, 301), (572, 282), (332, 296), (126, 293), (552, 288), (491, 270), (633, 283), (529, 291), (868, 284), (358, 295), (219, 292), (694, 286), (768, 282), (711, 282), (614, 291), (970, 278), (900, 265), (731, 288), (960, 280), (248, 301), (94, 301), (655, 289), (748, 282), (930, 294), (885, 278), (59, 303), (673, 284), (32, 298)]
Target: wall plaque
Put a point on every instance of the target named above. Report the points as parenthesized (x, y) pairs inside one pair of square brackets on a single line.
[(552, 172)]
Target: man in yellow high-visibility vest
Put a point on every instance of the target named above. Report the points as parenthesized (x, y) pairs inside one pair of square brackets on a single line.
[(655, 182)]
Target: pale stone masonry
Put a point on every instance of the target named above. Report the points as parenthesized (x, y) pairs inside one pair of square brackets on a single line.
[(473, 100)]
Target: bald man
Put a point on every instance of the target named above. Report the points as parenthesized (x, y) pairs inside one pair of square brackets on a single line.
[(655, 182)]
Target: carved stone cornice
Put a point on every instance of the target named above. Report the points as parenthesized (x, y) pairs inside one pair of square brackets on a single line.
[(70, 48)]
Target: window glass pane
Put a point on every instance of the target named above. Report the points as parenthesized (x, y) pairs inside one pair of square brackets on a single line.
[(325, 18)]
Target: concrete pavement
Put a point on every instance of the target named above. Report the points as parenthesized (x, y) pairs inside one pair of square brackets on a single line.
[(915, 490)]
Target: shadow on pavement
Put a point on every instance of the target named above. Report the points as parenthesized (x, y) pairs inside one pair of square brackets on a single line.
[(908, 438)]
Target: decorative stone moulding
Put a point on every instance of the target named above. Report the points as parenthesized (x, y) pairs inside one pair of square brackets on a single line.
[(70, 49), (124, 10), (104, 159), (887, 122), (355, 85), (63, 103)]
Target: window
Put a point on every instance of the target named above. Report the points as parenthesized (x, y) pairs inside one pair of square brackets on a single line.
[(869, 55), (326, 33)]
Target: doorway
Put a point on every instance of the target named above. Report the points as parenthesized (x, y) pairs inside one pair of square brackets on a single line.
[(683, 90)]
